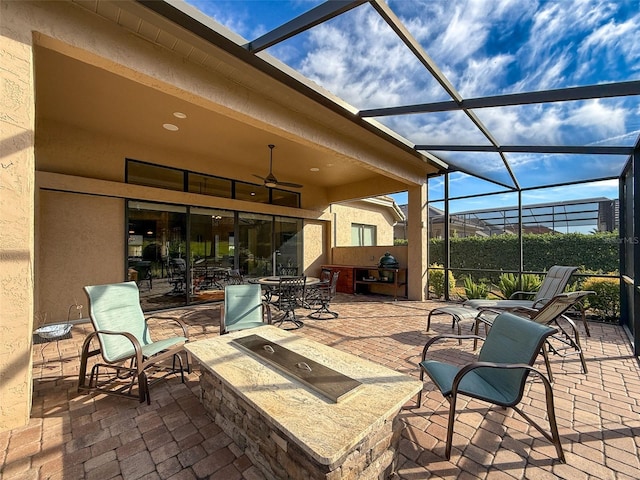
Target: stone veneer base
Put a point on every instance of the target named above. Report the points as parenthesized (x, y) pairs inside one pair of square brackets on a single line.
[(290, 431), (278, 457)]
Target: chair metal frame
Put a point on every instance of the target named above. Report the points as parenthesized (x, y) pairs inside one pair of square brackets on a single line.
[(550, 313), (291, 295), (136, 348), (323, 295), (554, 283), (465, 379)]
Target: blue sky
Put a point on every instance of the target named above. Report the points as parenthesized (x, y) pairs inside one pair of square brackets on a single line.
[(483, 47)]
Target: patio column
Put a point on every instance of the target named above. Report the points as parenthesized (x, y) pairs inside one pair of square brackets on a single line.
[(17, 178), (417, 236)]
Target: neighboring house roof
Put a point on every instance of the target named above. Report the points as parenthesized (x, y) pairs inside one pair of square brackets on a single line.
[(385, 202)]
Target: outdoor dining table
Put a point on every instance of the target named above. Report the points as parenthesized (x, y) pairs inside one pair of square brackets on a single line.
[(271, 284)]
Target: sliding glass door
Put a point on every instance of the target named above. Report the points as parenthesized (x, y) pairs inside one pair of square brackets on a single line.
[(156, 243), (181, 255), (255, 244)]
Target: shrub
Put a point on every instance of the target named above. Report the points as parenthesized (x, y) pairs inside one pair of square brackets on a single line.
[(436, 280), (509, 284), (475, 290), (606, 302)]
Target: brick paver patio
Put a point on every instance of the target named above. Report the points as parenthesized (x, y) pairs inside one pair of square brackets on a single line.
[(73, 436)]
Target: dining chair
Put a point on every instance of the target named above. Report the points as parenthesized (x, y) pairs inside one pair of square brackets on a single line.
[(322, 297), (291, 295)]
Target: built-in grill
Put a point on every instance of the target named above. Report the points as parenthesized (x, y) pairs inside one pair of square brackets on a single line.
[(388, 261), (324, 380)]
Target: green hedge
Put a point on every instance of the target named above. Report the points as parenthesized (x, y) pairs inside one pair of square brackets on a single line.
[(595, 252)]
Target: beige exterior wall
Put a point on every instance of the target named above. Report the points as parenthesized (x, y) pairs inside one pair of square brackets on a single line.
[(316, 246), (363, 213), (80, 242), (367, 256), (17, 124)]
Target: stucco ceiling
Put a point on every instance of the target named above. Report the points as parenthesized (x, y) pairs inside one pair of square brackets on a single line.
[(87, 97)]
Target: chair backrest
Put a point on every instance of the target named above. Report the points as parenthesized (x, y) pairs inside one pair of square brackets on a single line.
[(234, 277), (242, 304), (555, 281), (178, 266), (116, 307), (558, 305), (334, 283), (291, 292), (325, 275), (291, 271), (511, 339)]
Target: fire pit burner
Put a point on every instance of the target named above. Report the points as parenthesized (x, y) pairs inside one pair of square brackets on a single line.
[(324, 380)]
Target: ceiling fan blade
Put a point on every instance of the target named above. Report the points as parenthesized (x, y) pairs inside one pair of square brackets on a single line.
[(259, 176), (289, 184)]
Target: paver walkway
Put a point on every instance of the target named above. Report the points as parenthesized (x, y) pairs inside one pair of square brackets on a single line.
[(73, 436)]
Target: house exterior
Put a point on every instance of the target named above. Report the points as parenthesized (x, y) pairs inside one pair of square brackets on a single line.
[(365, 222), (136, 132)]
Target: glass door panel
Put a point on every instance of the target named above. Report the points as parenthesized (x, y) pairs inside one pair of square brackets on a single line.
[(211, 250), (255, 244), (156, 249), (288, 246)]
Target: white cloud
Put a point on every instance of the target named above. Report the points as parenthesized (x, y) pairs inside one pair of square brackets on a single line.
[(484, 47)]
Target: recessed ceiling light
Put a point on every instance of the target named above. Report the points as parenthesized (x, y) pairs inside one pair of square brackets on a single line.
[(314, 169), (171, 127), (329, 164), (179, 115), (253, 194)]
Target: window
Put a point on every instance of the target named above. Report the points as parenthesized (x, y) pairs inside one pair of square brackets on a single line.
[(150, 175), (208, 185), (363, 235)]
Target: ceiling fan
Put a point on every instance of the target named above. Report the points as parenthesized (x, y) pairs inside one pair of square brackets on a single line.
[(270, 180)]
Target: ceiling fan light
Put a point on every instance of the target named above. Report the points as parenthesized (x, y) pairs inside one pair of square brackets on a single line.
[(270, 184)]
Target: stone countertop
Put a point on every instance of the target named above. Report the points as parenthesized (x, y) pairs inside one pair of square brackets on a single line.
[(325, 430)]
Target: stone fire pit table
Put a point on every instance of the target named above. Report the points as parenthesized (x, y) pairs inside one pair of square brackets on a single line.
[(289, 430)]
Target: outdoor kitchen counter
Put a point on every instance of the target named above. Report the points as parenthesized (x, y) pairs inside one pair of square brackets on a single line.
[(327, 432)]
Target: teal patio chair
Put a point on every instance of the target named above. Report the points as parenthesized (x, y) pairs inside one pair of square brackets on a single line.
[(499, 374), (554, 283), (126, 346), (563, 343), (243, 308)]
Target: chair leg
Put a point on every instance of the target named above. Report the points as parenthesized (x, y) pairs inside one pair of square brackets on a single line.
[(452, 417), (554, 436), (545, 354)]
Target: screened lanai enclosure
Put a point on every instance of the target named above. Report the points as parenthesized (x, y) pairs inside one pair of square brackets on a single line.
[(512, 102)]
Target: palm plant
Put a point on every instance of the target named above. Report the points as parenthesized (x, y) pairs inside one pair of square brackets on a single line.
[(508, 283)]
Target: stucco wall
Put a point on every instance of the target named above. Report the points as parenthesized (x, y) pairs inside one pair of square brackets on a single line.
[(367, 256), (16, 222), (362, 213), (316, 250), (80, 242)]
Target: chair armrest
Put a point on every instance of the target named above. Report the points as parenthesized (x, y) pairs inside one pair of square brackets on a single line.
[(134, 342), (514, 294), (528, 311), (179, 321), (438, 338), (507, 366), (266, 306)]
